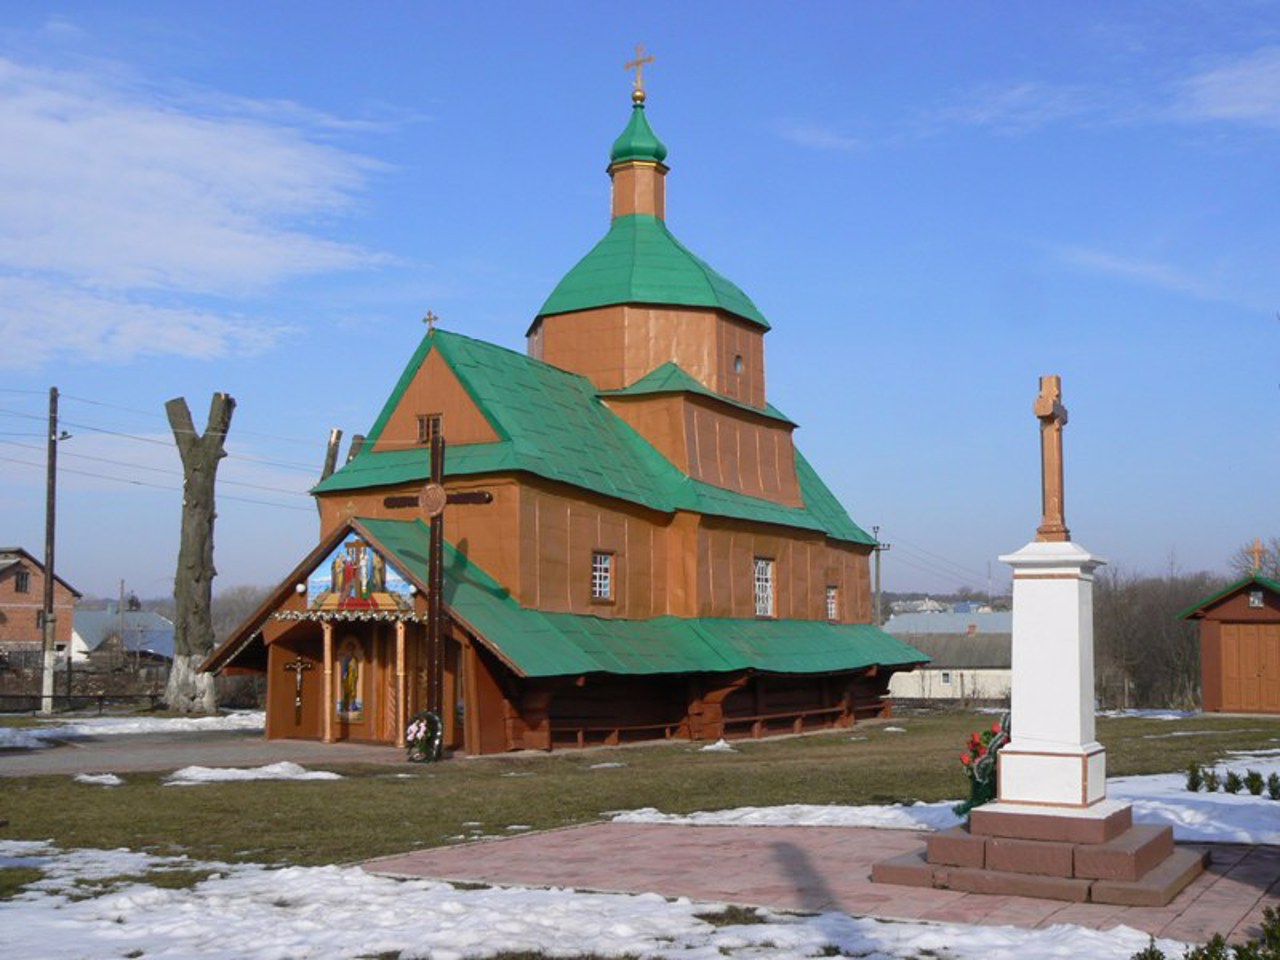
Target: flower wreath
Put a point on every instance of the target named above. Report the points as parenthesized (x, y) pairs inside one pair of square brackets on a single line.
[(424, 737)]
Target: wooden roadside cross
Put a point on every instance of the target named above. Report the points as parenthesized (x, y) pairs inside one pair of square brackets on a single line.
[(432, 500), (297, 666), (1053, 417), (638, 65)]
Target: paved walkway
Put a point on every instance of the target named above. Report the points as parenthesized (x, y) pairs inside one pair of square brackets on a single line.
[(125, 753), (825, 869)]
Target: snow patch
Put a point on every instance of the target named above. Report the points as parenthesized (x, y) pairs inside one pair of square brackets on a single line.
[(285, 770), (720, 746), (98, 779)]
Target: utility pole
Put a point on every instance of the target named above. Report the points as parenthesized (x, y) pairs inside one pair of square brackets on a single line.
[(879, 549), (49, 618)]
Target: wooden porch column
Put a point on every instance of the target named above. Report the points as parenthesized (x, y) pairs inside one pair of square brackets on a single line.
[(326, 702), (402, 706)]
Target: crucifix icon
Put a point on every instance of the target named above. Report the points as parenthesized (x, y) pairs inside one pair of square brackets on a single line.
[(638, 65), (432, 500), (1053, 417), (296, 666)]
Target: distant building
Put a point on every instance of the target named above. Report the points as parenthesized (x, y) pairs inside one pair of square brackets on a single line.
[(954, 622), (116, 633), (22, 604), (970, 654)]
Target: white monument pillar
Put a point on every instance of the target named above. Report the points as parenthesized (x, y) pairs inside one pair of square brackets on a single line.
[(1052, 758)]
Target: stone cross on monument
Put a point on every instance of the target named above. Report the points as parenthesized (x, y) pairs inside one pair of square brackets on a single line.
[(1053, 417), (1052, 831), (1053, 757)]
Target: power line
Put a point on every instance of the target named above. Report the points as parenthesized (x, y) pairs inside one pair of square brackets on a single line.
[(80, 425), (961, 568), (149, 469), (154, 486)]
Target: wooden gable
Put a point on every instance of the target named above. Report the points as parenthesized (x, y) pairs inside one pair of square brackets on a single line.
[(434, 390)]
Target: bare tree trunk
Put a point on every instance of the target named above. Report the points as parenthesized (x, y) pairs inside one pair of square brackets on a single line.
[(190, 691)]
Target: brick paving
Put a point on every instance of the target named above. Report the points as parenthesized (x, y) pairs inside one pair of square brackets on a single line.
[(825, 869)]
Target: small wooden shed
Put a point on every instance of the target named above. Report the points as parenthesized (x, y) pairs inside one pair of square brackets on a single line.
[(1240, 647)]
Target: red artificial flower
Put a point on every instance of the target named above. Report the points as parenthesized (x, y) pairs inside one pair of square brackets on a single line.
[(966, 759), (995, 727)]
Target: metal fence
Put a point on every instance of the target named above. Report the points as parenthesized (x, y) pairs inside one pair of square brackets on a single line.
[(80, 702)]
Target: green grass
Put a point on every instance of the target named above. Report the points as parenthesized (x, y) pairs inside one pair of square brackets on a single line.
[(732, 916), (371, 814), (13, 880)]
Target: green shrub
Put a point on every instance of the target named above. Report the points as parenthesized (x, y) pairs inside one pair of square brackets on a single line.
[(1195, 776), (1253, 782), (1211, 781), (1273, 786), (1266, 948), (1233, 783)]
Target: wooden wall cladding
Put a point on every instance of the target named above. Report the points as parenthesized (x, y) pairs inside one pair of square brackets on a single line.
[(741, 452), (435, 389), (804, 566)]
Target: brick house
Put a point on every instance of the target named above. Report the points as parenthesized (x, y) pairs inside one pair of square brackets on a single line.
[(22, 603)]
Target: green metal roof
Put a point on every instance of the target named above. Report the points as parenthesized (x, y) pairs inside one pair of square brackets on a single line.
[(638, 141), (538, 644), (670, 378), (640, 261), (1250, 580), (553, 424)]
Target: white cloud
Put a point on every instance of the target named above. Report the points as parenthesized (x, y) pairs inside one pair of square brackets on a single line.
[(1164, 276), (118, 200), (1247, 91), (817, 137), (44, 320), (1016, 108)]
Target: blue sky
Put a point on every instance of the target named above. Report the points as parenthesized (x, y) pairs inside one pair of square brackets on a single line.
[(933, 204)]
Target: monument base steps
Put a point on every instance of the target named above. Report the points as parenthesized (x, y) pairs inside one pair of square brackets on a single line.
[(1116, 862)]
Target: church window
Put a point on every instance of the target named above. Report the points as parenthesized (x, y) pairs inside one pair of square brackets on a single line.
[(428, 427), (1255, 598), (22, 582), (833, 603), (737, 364), (764, 587), (601, 575)]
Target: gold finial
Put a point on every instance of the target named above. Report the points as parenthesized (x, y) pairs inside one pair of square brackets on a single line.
[(637, 93), (430, 320), (1257, 554)]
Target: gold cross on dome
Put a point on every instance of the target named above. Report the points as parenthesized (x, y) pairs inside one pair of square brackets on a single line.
[(430, 320), (638, 65)]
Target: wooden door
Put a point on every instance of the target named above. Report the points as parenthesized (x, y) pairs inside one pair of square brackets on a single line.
[(1231, 693), (1269, 661)]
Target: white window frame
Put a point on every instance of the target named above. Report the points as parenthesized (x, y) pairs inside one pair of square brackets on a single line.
[(763, 587), (602, 579), (833, 602), (1255, 598)]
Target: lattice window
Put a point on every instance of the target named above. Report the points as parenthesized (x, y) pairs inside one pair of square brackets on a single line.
[(601, 575), (428, 427), (764, 587), (833, 603), (22, 581)]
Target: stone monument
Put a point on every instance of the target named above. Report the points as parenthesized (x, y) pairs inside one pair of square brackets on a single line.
[(1052, 832)]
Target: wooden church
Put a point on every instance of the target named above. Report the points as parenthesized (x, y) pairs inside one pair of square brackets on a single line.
[(632, 546)]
